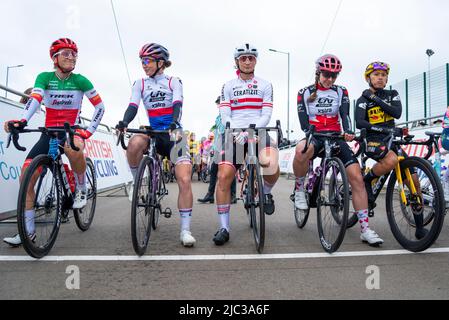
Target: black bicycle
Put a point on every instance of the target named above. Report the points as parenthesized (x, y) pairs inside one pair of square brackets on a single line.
[(414, 197), (46, 189), (149, 190), (327, 189), (252, 186)]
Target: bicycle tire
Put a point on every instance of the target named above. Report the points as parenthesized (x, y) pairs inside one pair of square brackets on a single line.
[(140, 238), (438, 208), (44, 241), (257, 202), (85, 216), (335, 202), (157, 209)]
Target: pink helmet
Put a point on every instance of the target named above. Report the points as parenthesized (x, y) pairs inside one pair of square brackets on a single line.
[(328, 62)]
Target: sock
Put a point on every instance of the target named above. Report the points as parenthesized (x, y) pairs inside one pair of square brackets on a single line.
[(363, 219), (267, 187), (300, 183), (80, 181), (134, 171), (29, 217), (186, 216), (223, 214)]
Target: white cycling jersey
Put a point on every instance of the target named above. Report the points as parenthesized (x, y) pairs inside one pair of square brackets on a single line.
[(245, 102), (158, 94)]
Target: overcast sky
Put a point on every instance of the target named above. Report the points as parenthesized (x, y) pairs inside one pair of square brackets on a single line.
[(201, 36)]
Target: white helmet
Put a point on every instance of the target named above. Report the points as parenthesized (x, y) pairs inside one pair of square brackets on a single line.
[(245, 49)]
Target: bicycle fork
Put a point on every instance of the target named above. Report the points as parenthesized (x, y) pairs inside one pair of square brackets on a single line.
[(401, 183)]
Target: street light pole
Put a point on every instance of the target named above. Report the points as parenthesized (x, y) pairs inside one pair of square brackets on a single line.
[(288, 90), (430, 53), (7, 76)]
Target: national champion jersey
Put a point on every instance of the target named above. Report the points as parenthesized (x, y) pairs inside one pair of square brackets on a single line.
[(63, 99), (158, 94), (328, 112), (245, 102)]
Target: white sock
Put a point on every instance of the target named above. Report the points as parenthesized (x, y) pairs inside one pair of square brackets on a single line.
[(186, 216), (267, 187), (80, 180), (29, 221), (223, 214), (134, 172)]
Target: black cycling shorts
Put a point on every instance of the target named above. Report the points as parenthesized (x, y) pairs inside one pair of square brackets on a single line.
[(42, 146), (234, 154), (344, 153), (177, 153)]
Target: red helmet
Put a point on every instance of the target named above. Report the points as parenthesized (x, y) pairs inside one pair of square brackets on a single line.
[(62, 43), (329, 63)]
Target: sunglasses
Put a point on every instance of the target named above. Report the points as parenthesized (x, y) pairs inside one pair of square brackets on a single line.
[(380, 66), (327, 74), (67, 54), (249, 58), (147, 61)]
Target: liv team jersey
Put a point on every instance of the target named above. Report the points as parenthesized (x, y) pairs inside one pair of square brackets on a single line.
[(63, 99), (159, 95), (245, 102)]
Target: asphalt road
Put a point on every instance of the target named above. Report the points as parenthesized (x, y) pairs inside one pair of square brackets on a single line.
[(292, 267)]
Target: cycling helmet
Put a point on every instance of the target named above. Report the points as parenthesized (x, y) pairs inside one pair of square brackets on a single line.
[(62, 43), (245, 49), (328, 63), (377, 65), (155, 51)]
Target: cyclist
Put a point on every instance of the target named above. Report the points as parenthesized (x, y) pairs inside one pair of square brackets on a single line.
[(194, 150), (162, 97), (62, 93), (245, 100), (376, 110), (326, 106)]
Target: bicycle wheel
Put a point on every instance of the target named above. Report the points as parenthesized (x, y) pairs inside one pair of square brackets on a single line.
[(160, 192), (256, 205), (141, 211), (333, 205), (301, 216), (44, 189), (84, 216), (425, 210)]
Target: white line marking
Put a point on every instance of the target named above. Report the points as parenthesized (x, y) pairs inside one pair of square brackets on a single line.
[(223, 256)]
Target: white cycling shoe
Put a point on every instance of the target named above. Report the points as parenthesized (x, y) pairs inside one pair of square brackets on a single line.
[(187, 239), (15, 241), (80, 199), (300, 200), (371, 237)]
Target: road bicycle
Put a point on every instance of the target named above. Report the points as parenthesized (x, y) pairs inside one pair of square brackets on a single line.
[(49, 185)]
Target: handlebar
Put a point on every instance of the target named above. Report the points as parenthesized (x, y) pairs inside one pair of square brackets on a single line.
[(146, 131), (15, 132), (334, 135), (252, 128)]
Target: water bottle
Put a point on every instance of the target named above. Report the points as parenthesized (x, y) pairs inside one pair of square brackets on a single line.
[(437, 163), (53, 151)]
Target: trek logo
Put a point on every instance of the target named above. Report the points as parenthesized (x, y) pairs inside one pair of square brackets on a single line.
[(62, 96)]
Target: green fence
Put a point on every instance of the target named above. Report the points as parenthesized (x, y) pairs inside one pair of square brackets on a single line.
[(423, 96)]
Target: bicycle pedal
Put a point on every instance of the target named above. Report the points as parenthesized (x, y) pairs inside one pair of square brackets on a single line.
[(167, 213), (371, 213)]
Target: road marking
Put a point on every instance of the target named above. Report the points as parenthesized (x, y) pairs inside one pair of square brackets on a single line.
[(223, 256)]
